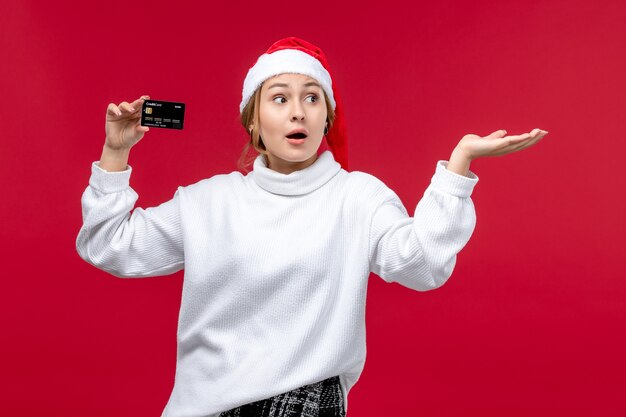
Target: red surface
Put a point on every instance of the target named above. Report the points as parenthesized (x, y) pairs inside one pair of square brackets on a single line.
[(533, 319)]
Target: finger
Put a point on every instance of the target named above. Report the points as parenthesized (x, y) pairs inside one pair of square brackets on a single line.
[(538, 135), (126, 107), (139, 102), (113, 110), (525, 144), (123, 107), (517, 138), (497, 134), (520, 146)]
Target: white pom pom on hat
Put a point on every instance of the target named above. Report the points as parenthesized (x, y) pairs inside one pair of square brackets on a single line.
[(297, 56)]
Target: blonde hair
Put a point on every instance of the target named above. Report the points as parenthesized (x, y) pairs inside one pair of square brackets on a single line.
[(255, 146)]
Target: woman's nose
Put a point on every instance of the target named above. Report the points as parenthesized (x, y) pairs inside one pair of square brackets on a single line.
[(297, 112)]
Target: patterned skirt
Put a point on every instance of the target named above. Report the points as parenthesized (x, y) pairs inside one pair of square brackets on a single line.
[(321, 399)]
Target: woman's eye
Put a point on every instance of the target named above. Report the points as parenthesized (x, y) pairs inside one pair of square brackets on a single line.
[(314, 97)]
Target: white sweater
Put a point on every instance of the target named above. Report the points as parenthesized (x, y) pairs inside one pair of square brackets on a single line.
[(276, 268)]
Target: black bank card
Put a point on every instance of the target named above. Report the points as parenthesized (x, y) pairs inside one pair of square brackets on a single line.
[(167, 114)]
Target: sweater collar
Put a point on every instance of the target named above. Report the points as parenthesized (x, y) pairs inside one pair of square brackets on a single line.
[(298, 182)]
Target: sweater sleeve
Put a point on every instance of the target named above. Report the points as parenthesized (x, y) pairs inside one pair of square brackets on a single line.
[(420, 252), (142, 244)]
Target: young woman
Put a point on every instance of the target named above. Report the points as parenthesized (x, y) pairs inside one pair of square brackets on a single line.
[(272, 318)]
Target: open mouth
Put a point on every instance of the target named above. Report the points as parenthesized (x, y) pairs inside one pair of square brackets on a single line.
[(297, 136)]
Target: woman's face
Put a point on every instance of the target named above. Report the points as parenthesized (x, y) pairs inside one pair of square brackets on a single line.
[(291, 102)]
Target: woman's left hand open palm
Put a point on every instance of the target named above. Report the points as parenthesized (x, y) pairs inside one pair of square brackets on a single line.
[(496, 144)]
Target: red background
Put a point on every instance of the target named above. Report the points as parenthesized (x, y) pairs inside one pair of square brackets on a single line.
[(533, 319)]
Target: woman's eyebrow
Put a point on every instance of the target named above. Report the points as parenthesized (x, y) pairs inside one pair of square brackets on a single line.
[(309, 84)]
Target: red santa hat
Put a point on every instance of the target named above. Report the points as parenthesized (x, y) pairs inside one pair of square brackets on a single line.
[(297, 56)]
